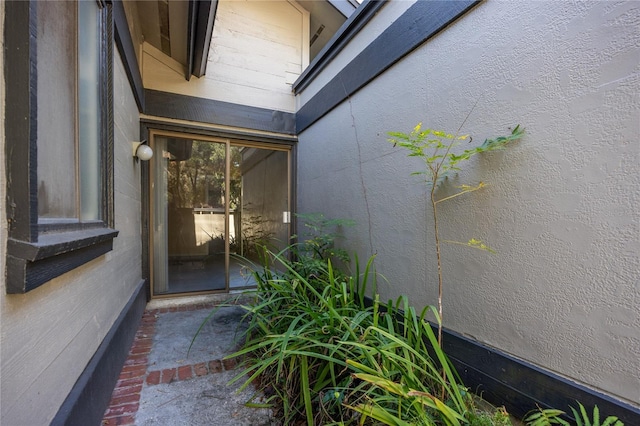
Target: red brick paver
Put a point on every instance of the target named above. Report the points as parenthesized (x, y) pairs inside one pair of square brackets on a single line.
[(125, 398)]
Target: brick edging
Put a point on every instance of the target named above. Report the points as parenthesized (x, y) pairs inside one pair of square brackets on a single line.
[(125, 399), (187, 372)]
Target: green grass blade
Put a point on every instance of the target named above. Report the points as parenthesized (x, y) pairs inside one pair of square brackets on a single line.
[(383, 383), (448, 414), (285, 340), (304, 380), (361, 367), (378, 414)]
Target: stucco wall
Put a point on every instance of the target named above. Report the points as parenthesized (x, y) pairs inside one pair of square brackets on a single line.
[(258, 49), (562, 207), (48, 335)]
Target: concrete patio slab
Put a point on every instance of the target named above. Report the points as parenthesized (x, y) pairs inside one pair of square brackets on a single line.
[(161, 383), (206, 400), (221, 334)]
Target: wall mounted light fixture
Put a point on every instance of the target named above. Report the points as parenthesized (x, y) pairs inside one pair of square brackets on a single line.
[(141, 151)]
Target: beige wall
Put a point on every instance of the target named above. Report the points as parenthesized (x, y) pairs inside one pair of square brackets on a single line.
[(48, 335), (258, 49), (562, 208)]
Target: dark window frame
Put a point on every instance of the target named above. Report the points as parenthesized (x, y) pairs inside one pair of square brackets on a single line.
[(40, 251)]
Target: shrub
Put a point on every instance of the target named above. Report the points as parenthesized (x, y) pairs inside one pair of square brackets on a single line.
[(325, 355)]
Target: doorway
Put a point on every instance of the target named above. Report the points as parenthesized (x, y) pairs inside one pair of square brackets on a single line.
[(214, 203)]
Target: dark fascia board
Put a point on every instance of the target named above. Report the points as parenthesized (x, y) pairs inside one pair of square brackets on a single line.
[(171, 105), (205, 18), (420, 22), (340, 39), (191, 34), (90, 396), (345, 7), (128, 53), (222, 133)]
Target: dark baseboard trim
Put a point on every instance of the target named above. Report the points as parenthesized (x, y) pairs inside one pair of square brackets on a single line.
[(519, 386), (90, 396), (171, 105), (421, 21)]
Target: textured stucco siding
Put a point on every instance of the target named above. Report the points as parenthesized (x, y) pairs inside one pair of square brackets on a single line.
[(562, 207), (48, 335), (258, 49)]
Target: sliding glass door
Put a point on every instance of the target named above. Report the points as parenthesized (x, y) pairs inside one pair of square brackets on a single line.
[(214, 203)]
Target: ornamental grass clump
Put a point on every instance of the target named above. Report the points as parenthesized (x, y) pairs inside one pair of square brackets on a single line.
[(325, 354), (407, 369), (295, 339)]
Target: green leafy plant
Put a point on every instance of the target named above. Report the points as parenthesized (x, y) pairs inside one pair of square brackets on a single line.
[(499, 417), (551, 416), (546, 417), (406, 372), (296, 327), (318, 243), (437, 151), (326, 355)]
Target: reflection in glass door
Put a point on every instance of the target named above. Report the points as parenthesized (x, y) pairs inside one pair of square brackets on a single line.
[(214, 201)]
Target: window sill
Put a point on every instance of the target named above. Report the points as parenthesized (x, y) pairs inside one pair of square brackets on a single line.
[(30, 265)]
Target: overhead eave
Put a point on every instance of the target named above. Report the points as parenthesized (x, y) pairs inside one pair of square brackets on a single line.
[(345, 7), (340, 39), (202, 15)]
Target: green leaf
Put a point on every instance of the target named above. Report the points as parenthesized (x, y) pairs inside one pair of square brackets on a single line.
[(383, 383), (546, 417), (304, 379), (612, 421), (377, 413), (450, 415)]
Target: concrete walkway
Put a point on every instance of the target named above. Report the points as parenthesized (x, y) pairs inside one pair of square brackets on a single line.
[(160, 384)]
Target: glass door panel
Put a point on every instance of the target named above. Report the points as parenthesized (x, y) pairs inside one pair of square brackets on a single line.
[(260, 217), (212, 199)]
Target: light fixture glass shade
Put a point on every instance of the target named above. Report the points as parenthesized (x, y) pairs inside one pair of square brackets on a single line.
[(144, 152)]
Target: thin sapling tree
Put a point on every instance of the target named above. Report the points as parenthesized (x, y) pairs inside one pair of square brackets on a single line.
[(437, 150)]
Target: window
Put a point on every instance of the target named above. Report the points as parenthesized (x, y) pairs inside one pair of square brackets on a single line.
[(58, 138)]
